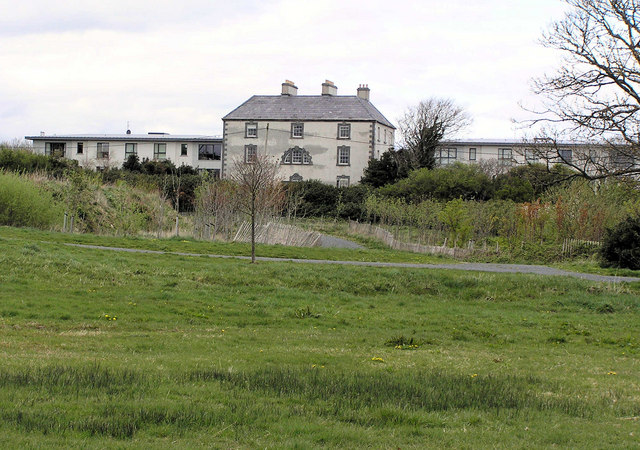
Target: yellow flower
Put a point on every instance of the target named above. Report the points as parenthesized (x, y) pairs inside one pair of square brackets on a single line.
[(612, 373), (474, 375), (376, 358)]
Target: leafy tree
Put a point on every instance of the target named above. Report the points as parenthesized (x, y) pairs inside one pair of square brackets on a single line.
[(595, 94), (383, 171), (422, 128)]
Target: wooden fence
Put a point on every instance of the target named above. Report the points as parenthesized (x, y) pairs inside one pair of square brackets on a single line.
[(278, 233), (389, 239)]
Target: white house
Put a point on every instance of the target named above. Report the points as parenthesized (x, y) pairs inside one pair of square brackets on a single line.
[(100, 151), (325, 137)]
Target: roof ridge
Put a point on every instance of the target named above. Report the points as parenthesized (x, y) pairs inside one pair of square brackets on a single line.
[(308, 107)]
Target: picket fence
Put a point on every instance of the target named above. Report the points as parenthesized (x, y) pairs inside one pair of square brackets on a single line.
[(389, 239), (278, 233)]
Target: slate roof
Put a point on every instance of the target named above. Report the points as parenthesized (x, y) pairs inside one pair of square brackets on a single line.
[(307, 108)]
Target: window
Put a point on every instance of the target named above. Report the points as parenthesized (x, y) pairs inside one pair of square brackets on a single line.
[(54, 149), (251, 130), (344, 131), (472, 154), (531, 156), (103, 150), (295, 178), (296, 155), (621, 160), (209, 152), (80, 148), (129, 150), (183, 149), (344, 156), (250, 152), (342, 181), (505, 155), (159, 151), (297, 130), (378, 134), (385, 136), (446, 156), (565, 154)]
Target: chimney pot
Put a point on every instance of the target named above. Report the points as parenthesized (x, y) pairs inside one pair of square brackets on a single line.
[(363, 92)]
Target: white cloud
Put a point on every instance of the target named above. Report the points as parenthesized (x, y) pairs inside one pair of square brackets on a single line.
[(88, 66)]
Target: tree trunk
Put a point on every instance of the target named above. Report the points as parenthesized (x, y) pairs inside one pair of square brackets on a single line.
[(253, 228)]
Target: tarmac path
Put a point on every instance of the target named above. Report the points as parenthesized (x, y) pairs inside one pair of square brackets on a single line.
[(477, 267)]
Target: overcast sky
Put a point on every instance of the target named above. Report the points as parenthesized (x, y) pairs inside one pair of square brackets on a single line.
[(84, 66)]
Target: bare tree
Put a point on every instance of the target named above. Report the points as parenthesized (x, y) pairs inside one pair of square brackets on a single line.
[(259, 190), (422, 127), (594, 98), (215, 208)]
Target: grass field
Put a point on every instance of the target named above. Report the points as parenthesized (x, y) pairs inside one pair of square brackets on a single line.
[(141, 350)]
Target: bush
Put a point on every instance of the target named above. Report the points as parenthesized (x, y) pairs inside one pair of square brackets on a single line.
[(316, 198), (22, 160), (467, 182), (24, 204), (621, 246), (534, 179)]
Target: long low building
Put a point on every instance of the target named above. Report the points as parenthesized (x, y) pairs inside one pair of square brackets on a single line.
[(101, 151), (591, 159)]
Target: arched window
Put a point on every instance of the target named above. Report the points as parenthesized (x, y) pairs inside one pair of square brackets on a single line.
[(297, 156)]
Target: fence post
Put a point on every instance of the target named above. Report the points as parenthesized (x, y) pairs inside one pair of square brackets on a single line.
[(71, 224), (64, 225)]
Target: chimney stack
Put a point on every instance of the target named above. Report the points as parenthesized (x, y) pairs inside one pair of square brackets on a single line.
[(328, 88), (363, 92), (289, 88)]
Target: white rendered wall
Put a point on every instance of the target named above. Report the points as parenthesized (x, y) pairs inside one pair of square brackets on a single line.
[(320, 139)]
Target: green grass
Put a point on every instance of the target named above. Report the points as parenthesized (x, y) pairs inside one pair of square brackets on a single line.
[(222, 353), (592, 265), (188, 245)]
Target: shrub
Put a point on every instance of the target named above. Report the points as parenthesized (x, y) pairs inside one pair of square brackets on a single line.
[(445, 183), (317, 199), (621, 246), (24, 204), (23, 160)]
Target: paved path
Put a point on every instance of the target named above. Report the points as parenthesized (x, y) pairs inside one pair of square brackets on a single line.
[(334, 242), (478, 267)]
